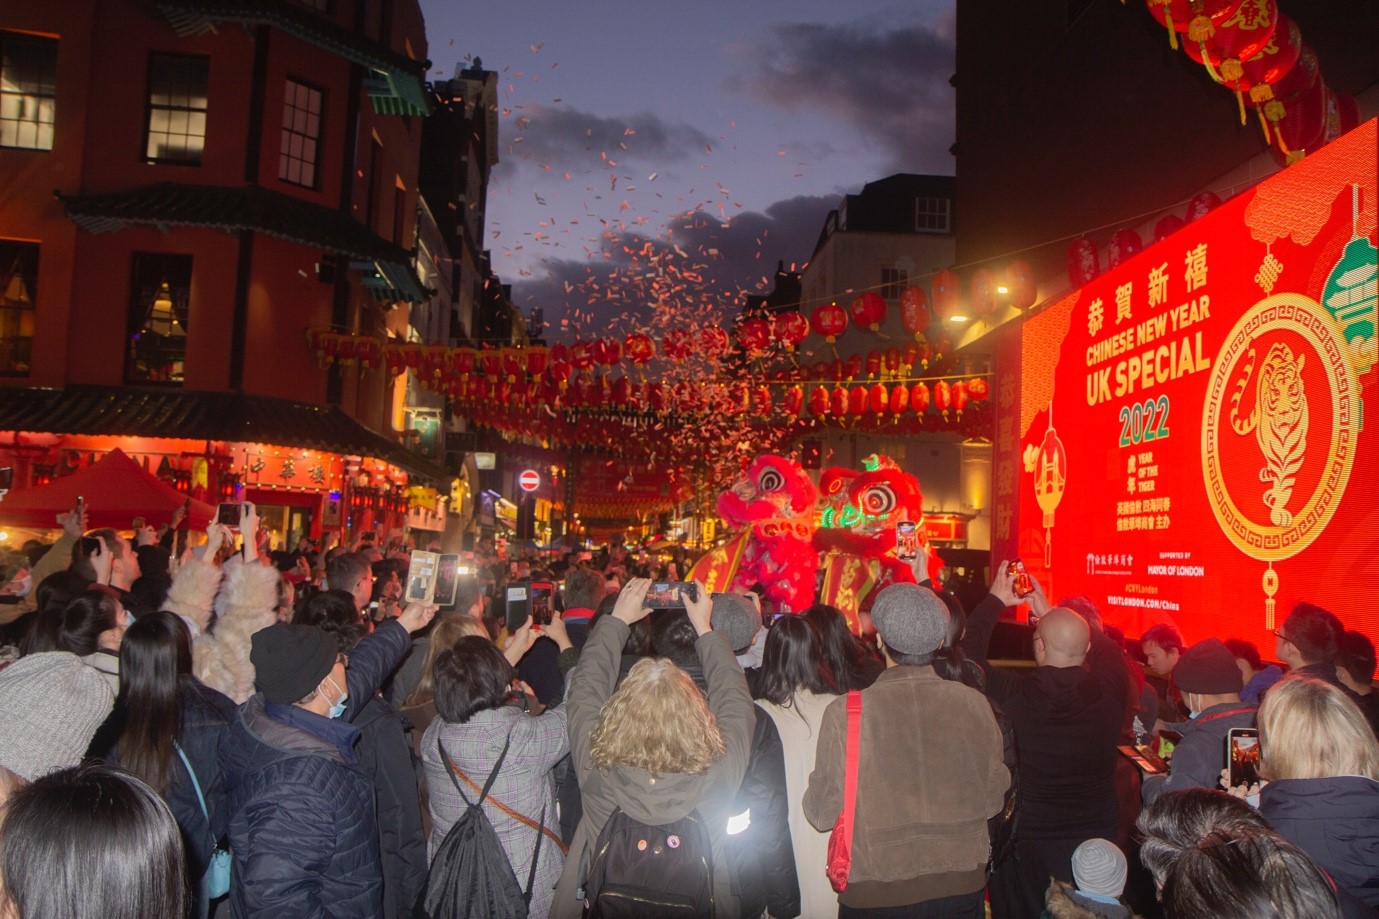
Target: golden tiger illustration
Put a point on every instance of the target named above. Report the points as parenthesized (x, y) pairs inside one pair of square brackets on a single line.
[(1279, 422)]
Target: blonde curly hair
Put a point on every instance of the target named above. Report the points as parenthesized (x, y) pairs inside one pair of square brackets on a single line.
[(658, 721)]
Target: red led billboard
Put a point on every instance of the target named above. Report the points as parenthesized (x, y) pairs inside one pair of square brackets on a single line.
[(1195, 435)]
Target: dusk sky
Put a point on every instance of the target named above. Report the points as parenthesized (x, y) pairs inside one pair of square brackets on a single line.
[(657, 159)]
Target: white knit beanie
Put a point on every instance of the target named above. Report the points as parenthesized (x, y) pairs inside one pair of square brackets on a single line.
[(1099, 867), (50, 707)]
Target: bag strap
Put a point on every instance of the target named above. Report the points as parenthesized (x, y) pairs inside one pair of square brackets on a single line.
[(521, 818), (452, 769), (201, 799), (535, 854), (850, 774)]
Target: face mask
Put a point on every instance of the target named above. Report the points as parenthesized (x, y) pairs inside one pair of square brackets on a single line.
[(338, 708)]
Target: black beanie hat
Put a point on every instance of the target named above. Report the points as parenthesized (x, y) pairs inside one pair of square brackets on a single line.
[(290, 661), (1208, 667)]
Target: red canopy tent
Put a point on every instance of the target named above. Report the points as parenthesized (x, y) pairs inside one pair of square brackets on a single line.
[(116, 490)]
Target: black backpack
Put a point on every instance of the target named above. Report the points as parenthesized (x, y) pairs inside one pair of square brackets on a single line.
[(658, 872), (471, 875)]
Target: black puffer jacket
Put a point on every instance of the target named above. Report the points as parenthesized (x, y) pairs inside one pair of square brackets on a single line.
[(302, 824), (761, 858), (385, 755), (206, 719), (302, 813)]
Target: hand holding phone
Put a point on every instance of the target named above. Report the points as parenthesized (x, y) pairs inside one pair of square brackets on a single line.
[(1242, 756)]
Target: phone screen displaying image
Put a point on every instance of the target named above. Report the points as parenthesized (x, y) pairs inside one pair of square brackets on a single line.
[(228, 514), (665, 595), (541, 595), (906, 540), (447, 579), (1242, 751)]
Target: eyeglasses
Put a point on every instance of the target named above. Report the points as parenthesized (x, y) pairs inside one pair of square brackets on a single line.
[(1278, 633)]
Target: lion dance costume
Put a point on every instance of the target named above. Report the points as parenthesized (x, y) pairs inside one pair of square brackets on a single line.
[(774, 504), (857, 532)]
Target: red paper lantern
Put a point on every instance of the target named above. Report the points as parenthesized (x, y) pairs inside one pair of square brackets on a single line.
[(792, 400), (983, 293), (790, 329), (761, 399), (914, 311), (582, 355), (1167, 226), (514, 363), (344, 351), (1222, 46), (714, 341), (1083, 266), (369, 351), (869, 310), (857, 401), (607, 352), (829, 321), (878, 399), (819, 401), (754, 335), (891, 360), (393, 357), (678, 344), (943, 395), (1124, 245), (639, 348), (620, 393), (873, 363), (1020, 282), (1201, 205), (838, 402), (946, 291), (909, 355), (919, 398), (978, 389), (656, 397), (900, 398), (1194, 16), (464, 360), (411, 354), (852, 368), (959, 397), (560, 352), (538, 359)]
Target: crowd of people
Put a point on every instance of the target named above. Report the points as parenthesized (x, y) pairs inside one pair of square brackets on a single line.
[(237, 732)]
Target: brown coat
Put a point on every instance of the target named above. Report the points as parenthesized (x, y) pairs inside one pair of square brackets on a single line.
[(930, 775)]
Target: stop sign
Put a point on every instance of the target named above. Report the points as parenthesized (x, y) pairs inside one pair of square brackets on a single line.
[(529, 480)]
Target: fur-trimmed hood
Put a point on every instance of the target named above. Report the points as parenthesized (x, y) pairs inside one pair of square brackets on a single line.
[(1063, 901)]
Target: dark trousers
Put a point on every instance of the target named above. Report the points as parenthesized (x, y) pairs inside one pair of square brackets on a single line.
[(965, 906)]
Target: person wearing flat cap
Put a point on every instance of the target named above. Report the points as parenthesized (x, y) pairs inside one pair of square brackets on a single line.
[(930, 773), (302, 826), (1210, 682)]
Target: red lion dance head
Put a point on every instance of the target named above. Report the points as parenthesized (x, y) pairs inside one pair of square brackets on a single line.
[(776, 499), (861, 510)]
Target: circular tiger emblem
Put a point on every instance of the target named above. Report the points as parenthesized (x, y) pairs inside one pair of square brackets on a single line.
[(1279, 426)]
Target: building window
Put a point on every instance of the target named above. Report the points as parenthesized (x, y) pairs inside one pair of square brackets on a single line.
[(18, 291), (28, 92), (933, 215), (160, 296), (893, 281), (176, 109), (301, 134)]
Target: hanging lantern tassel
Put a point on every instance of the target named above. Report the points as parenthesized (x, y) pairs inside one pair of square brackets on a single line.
[(1275, 112), (1270, 588), (1168, 21), (1231, 71), (1260, 95)]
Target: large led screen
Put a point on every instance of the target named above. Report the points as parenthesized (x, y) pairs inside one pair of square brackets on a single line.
[(1198, 428)]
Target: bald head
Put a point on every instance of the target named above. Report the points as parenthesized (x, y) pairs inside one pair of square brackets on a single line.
[(1062, 639)]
